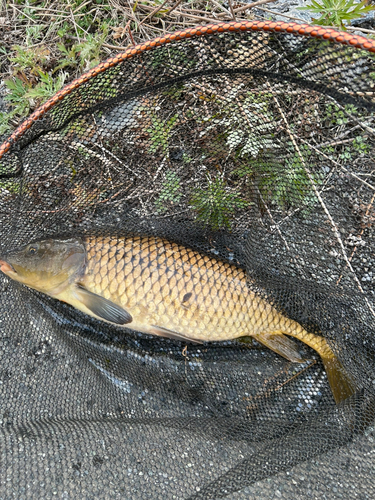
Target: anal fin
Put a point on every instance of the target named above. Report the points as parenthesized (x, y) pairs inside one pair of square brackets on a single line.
[(170, 334), (281, 344)]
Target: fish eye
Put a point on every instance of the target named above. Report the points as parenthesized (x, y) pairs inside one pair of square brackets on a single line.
[(32, 250)]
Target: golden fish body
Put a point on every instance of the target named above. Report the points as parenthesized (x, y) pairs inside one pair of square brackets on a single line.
[(158, 287), (167, 285)]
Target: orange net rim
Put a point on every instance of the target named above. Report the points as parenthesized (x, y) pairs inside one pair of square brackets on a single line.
[(296, 29)]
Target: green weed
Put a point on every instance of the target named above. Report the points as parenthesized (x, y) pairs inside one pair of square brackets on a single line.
[(170, 192), (86, 54), (9, 187), (337, 116), (160, 133), (32, 84), (283, 182), (247, 125), (46, 88), (19, 103), (358, 147), (361, 145), (89, 50), (335, 12), (22, 96), (27, 59), (216, 204)]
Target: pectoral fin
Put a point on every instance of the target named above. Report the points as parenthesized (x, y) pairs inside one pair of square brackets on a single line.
[(280, 344), (164, 332), (102, 307)]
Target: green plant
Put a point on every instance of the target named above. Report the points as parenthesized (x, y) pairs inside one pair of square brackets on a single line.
[(361, 145), (27, 59), (85, 54), (19, 103), (47, 87), (36, 64), (337, 116), (335, 12), (247, 125), (170, 192), (69, 58), (33, 33), (160, 132), (16, 96), (23, 96), (89, 50), (216, 204), (290, 185), (357, 147), (284, 182), (9, 187)]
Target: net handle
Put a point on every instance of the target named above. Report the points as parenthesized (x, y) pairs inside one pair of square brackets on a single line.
[(296, 29)]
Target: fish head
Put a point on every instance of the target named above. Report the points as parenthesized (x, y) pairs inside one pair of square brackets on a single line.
[(46, 265)]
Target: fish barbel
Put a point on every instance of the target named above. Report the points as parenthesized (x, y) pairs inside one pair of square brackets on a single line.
[(161, 288)]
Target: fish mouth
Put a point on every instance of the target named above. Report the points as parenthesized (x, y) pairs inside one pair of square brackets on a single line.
[(5, 267)]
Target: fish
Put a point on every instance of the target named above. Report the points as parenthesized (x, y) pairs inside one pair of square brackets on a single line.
[(158, 287)]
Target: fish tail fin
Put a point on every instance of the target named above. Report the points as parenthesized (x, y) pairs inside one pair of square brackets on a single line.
[(342, 385)]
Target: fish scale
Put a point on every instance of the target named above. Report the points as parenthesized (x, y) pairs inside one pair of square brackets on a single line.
[(156, 275)]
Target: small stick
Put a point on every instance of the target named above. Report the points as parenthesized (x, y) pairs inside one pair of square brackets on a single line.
[(173, 8), (76, 145), (361, 124), (23, 13), (313, 362), (268, 391), (273, 221), (337, 142), (75, 26), (115, 47), (173, 214), (251, 6), (153, 12), (199, 18), (353, 28), (81, 6), (130, 32), (341, 136), (103, 149), (231, 8), (220, 6), (49, 9)]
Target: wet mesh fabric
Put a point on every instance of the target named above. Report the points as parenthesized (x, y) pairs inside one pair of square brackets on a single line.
[(253, 147)]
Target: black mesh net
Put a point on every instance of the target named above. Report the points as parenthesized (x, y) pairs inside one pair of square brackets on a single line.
[(248, 151)]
